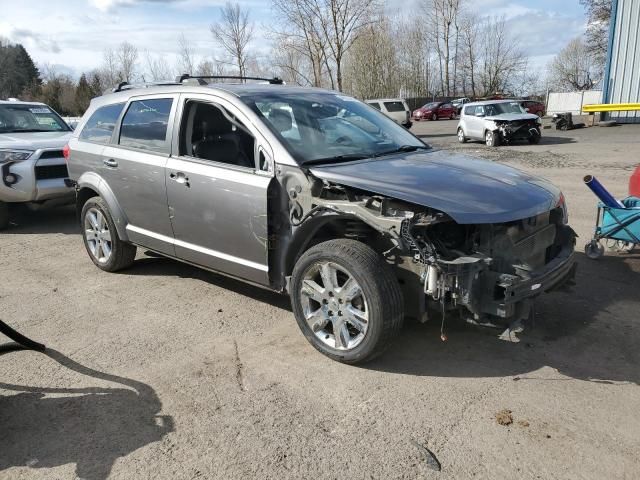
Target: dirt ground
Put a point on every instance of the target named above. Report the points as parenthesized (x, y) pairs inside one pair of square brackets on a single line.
[(167, 371)]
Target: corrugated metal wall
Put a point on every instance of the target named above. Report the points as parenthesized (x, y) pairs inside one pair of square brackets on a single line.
[(623, 66)]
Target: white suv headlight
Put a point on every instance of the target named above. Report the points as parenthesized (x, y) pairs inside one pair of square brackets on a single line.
[(14, 155)]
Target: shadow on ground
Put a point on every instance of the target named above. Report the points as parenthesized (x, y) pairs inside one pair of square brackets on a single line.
[(49, 220), (91, 427), (590, 333)]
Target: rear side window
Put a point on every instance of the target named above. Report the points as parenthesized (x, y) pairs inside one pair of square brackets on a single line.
[(375, 105), (144, 126), (100, 125), (469, 110), (394, 106)]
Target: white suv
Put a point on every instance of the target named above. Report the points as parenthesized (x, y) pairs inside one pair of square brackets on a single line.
[(32, 165), (394, 108), (498, 122)]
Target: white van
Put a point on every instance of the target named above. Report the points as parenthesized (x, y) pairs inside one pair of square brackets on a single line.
[(394, 108)]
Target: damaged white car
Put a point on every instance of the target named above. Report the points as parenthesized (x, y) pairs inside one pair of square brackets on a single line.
[(498, 122), (315, 194)]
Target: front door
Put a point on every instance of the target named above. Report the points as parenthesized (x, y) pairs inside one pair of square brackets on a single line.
[(133, 166), (217, 197)]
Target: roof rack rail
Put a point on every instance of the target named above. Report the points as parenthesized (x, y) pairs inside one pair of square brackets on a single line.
[(129, 86), (201, 78)]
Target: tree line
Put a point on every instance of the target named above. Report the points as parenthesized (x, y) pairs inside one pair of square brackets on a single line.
[(443, 49)]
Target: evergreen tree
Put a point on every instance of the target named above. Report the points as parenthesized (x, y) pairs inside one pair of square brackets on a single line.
[(83, 95), (18, 73)]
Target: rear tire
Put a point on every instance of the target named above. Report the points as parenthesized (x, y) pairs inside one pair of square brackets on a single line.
[(4, 215), (461, 137), (101, 239), (434, 117), (349, 266)]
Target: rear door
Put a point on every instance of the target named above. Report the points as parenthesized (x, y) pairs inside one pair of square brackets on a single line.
[(133, 166), (396, 111), (217, 195), (472, 122)]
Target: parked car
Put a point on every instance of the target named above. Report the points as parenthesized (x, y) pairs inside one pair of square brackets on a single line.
[(434, 111), (531, 106), (459, 102), (498, 122), (394, 108), (360, 222), (32, 165)]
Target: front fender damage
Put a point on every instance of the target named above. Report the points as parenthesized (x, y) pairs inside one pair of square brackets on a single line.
[(489, 274)]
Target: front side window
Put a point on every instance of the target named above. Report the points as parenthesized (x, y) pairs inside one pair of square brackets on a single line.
[(316, 127), (210, 132), (144, 126), (101, 124), (394, 106), (16, 118)]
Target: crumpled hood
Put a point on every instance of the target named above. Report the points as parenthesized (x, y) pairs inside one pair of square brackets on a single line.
[(510, 117), (34, 140), (467, 189)]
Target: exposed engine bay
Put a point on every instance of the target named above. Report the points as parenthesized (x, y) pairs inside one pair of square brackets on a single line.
[(488, 273), (511, 130)]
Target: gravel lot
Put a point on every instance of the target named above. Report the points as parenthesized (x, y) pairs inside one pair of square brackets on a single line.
[(167, 371)]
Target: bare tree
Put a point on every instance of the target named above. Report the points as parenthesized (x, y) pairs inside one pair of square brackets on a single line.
[(233, 33), (342, 21), (574, 68), (371, 70), (186, 56), (156, 67), (597, 34), (209, 67), (470, 53), (301, 54), (443, 18), (127, 58)]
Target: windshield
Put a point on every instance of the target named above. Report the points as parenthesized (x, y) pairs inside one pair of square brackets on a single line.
[(30, 118), (323, 126), (507, 107)]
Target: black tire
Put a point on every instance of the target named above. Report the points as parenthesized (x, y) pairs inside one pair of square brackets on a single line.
[(379, 286), (535, 139), (122, 253), (434, 117), (461, 136), (4, 215), (491, 139)]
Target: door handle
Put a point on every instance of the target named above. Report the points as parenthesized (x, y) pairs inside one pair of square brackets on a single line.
[(110, 162), (180, 177)]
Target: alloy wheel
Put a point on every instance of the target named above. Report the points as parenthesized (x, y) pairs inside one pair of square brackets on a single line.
[(98, 235), (334, 305)]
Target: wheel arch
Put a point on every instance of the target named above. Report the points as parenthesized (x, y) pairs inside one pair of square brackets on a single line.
[(91, 185), (328, 226)]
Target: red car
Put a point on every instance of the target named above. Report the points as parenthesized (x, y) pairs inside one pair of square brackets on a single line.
[(434, 111), (531, 106)]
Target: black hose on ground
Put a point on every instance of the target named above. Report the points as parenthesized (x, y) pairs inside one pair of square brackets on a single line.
[(19, 338)]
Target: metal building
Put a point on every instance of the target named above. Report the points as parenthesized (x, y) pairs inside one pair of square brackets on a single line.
[(622, 72)]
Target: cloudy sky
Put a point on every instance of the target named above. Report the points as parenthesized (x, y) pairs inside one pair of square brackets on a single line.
[(71, 34)]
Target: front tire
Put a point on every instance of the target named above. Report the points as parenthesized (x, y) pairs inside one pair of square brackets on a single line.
[(491, 139), (4, 215), (101, 240), (346, 300), (434, 117)]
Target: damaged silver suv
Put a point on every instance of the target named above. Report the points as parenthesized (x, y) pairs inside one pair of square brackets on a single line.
[(315, 194)]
